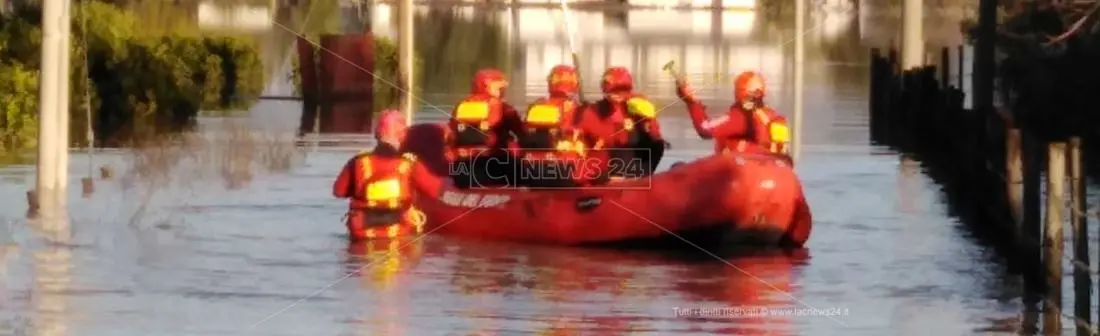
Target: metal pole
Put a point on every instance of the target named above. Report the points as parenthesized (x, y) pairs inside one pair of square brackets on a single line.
[(48, 93), (63, 83), (405, 33), (572, 45), (799, 57)]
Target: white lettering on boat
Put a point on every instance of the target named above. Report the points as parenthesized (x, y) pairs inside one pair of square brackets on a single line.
[(457, 199)]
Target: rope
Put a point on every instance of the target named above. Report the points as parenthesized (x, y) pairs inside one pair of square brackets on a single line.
[(418, 219)]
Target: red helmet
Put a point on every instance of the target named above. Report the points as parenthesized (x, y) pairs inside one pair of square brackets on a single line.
[(748, 85), (617, 79), (562, 80), (391, 124), (489, 82)]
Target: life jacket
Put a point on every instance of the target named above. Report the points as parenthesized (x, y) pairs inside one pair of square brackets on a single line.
[(777, 140), (638, 111), (473, 122), (386, 195), (544, 129)]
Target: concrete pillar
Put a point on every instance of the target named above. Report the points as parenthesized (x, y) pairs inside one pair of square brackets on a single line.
[(407, 58), (49, 99), (912, 34)]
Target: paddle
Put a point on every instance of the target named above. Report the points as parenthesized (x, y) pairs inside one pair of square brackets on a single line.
[(572, 48)]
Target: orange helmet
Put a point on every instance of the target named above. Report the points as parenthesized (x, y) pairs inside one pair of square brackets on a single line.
[(562, 80), (489, 82), (748, 85), (617, 79), (391, 124)]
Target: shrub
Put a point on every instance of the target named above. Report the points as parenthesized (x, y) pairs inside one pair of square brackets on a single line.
[(140, 83), (19, 88)]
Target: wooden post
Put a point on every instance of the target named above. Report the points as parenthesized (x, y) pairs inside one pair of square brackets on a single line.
[(1032, 159), (962, 65), (1082, 280), (945, 68), (1014, 177), (1053, 243), (981, 82)]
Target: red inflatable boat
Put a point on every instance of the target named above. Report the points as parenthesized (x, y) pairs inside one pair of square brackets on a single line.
[(753, 199)]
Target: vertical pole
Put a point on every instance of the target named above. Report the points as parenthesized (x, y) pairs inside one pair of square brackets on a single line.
[(799, 55), (984, 62), (1082, 280), (519, 56), (912, 34), (1033, 217), (1053, 238), (1015, 177), (63, 111), (962, 65), (407, 59), (945, 68), (48, 95)]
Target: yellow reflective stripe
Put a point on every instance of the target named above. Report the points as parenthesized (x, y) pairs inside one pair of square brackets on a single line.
[(543, 114), (641, 107), (386, 190), (779, 132), (392, 231), (472, 111)]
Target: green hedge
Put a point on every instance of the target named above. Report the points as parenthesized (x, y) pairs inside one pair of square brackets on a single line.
[(140, 83)]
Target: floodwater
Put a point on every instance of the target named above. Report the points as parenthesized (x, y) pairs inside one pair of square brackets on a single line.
[(213, 247)]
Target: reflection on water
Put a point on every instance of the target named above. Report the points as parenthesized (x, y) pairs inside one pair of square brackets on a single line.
[(51, 266), (382, 267)]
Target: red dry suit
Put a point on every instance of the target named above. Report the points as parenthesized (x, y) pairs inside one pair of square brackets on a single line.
[(748, 125), (549, 139), (380, 185), (614, 126)]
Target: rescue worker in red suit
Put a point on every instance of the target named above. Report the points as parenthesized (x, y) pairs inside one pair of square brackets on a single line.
[(549, 145), (478, 136), (749, 126), (380, 185), (616, 126)]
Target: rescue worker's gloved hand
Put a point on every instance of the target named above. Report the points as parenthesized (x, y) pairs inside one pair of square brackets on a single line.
[(685, 91)]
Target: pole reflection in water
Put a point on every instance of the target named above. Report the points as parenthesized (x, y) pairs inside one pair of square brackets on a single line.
[(761, 281), (908, 184), (52, 266), (381, 264)]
